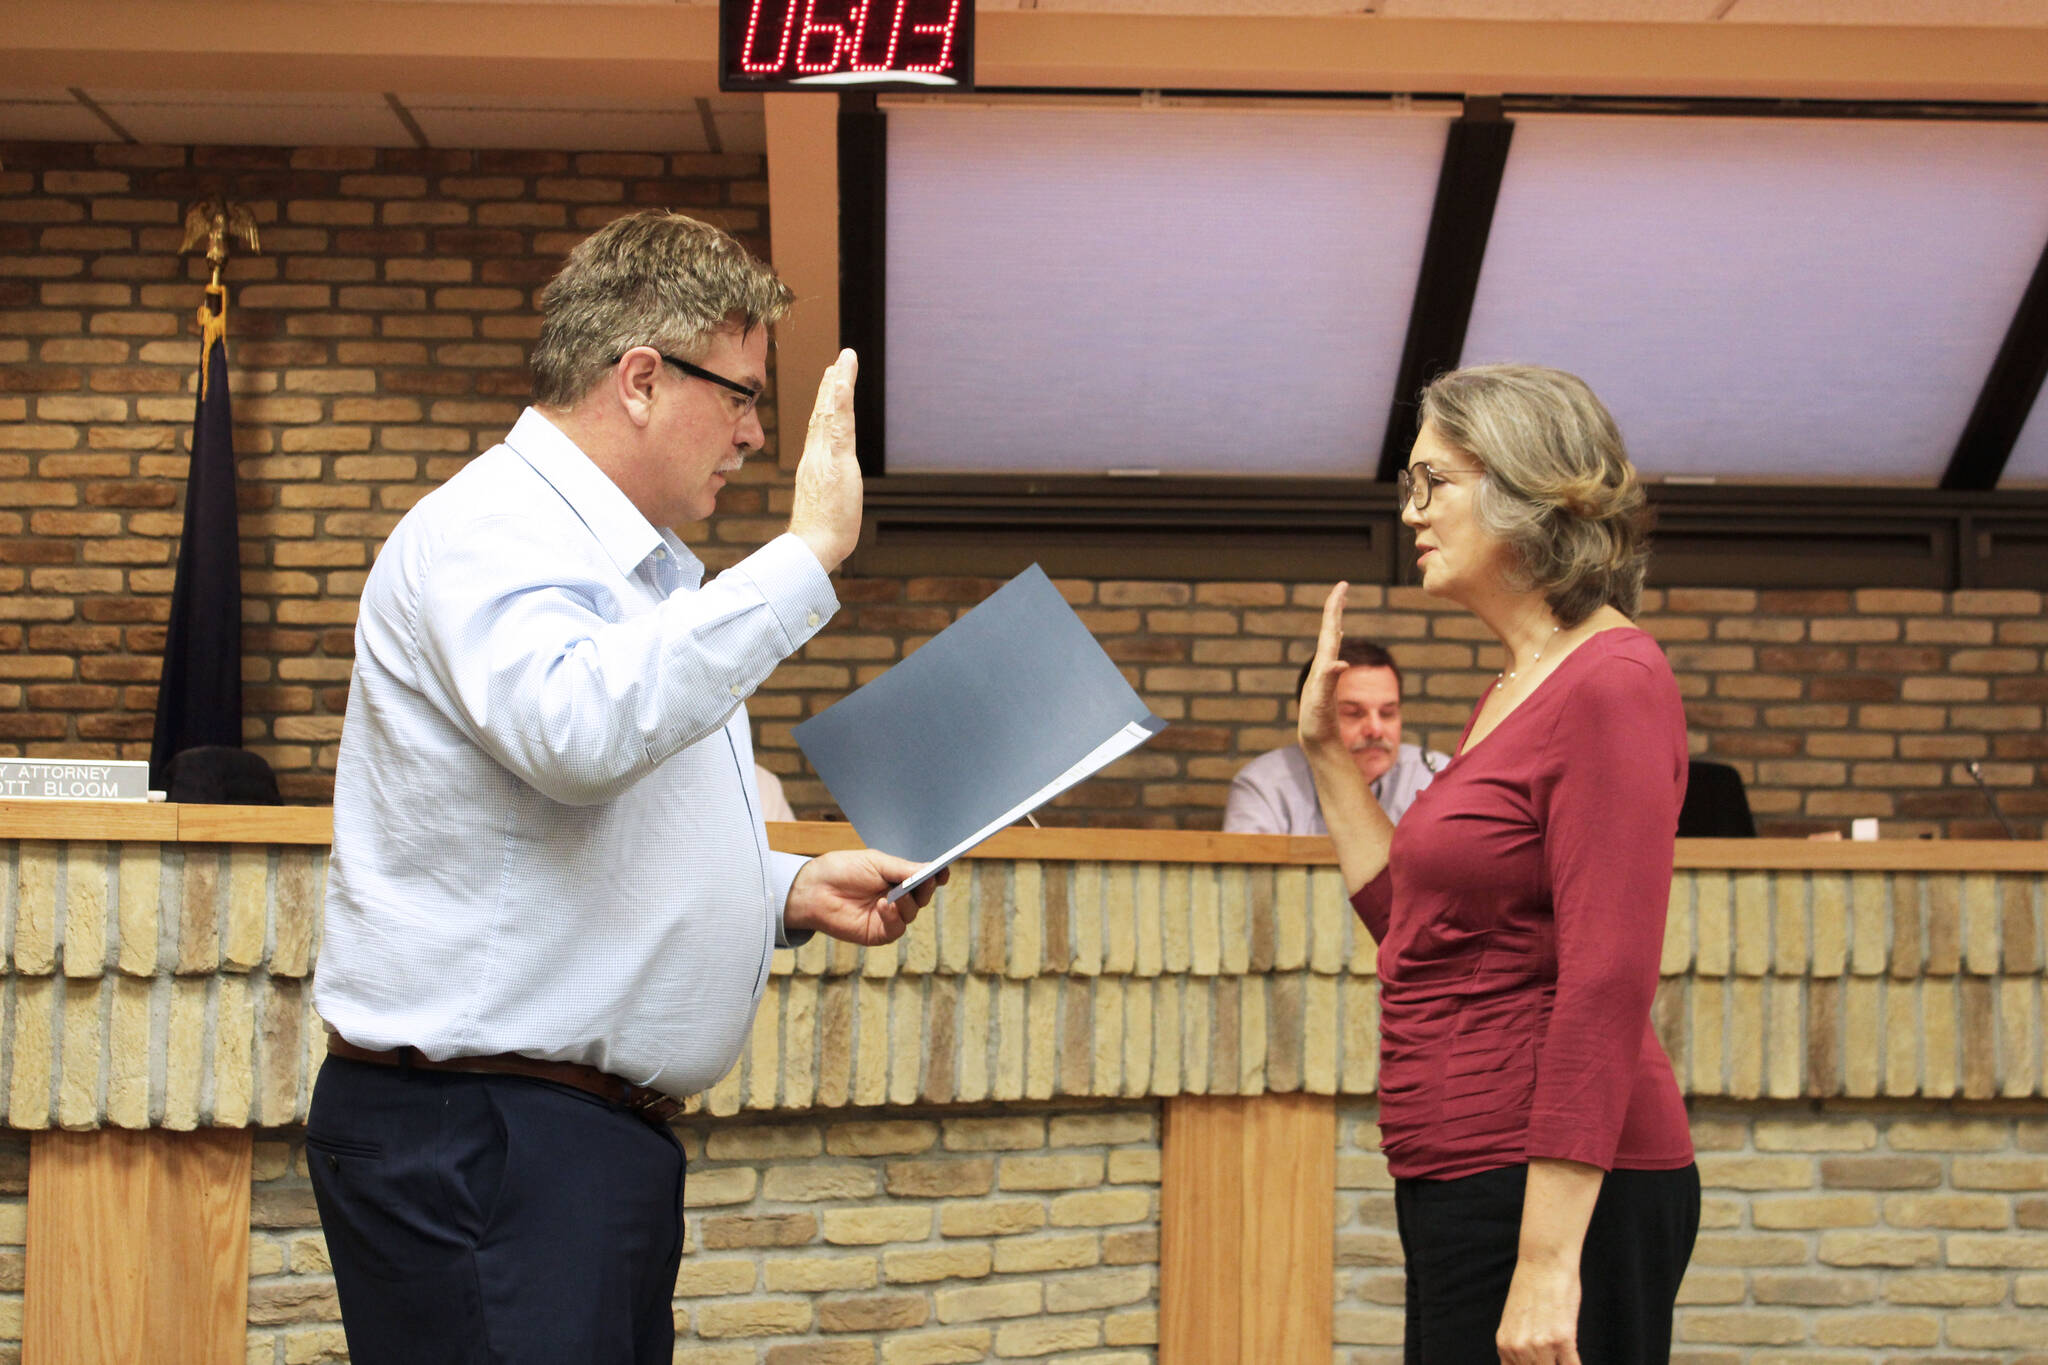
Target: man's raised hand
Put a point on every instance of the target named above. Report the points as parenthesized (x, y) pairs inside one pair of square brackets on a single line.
[(825, 509)]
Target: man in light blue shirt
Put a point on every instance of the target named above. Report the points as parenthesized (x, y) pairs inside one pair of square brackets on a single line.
[(551, 903), (1274, 793)]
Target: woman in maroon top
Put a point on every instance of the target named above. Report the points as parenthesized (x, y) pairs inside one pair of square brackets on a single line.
[(1544, 1177)]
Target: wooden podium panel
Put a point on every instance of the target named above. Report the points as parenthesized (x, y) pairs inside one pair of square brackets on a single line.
[(1248, 1225), (138, 1248)]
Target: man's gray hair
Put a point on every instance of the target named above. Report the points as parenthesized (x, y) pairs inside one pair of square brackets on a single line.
[(1559, 488), (649, 279)]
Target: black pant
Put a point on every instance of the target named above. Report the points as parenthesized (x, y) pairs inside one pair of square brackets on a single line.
[(1460, 1238), (475, 1219)]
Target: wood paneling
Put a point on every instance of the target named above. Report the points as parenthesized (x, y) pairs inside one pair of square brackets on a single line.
[(255, 824), (1248, 1228), (1091, 845), (314, 825), (1283, 850), (1201, 1218), (1876, 855), (1067, 49), (112, 820), (1288, 1261), (658, 52), (159, 822), (803, 174), (138, 1248)]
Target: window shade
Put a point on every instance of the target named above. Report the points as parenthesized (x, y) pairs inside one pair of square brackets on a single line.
[(1767, 298), (1200, 291)]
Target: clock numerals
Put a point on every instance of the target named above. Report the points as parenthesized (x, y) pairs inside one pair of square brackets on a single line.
[(786, 40)]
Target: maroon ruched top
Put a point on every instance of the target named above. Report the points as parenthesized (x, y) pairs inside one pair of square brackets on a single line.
[(1520, 922)]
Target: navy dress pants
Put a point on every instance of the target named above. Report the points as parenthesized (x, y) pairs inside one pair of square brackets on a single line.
[(493, 1220), (1460, 1238)]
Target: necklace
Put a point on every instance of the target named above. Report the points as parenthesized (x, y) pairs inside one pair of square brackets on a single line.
[(1535, 658)]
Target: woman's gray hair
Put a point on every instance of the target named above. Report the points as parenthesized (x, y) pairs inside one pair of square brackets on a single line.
[(1559, 488), (649, 279)]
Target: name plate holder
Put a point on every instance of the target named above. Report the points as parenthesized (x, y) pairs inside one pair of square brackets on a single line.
[(75, 779)]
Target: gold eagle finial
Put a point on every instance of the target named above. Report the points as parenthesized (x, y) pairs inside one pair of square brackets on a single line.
[(212, 221)]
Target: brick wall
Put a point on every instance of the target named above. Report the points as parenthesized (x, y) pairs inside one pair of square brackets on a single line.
[(1831, 704), (13, 1240), (293, 1312), (883, 1240), (1844, 1234), (378, 343)]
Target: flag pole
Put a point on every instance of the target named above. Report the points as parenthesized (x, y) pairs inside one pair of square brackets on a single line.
[(199, 694)]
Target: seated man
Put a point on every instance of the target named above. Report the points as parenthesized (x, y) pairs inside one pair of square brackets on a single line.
[(1273, 794)]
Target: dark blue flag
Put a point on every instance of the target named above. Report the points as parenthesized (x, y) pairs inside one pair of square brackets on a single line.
[(199, 700)]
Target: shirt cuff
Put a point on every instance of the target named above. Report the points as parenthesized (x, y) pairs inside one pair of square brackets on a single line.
[(794, 585), (1586, 1149), (782, 870)]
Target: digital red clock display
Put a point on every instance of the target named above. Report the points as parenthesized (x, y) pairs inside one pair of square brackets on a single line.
[(836, 44)]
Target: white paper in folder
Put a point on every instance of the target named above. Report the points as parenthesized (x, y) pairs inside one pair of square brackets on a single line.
[(991, 718)]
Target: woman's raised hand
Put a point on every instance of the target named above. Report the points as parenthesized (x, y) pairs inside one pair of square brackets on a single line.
[(1358, 826), (1318, 724)]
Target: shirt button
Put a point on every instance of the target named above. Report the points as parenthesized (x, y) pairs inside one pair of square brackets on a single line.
[(811, 620), (736, 690), (661, 552)]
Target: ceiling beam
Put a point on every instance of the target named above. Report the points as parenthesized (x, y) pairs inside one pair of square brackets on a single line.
[(1475, 159), (863, 265), (1314, 530), (656, 53), (1374, 53), (2009, 393), (643, 51), (803, 242)]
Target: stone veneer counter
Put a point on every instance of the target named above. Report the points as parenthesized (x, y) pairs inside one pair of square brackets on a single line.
[(158, 961), (1112, 1100)]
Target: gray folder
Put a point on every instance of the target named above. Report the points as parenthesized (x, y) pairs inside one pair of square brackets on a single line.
[(997, 714)]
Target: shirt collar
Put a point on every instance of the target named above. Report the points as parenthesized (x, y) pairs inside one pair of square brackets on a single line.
[(627, 537)]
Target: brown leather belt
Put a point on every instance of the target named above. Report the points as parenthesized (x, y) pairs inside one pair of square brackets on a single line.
[(652, 1105)]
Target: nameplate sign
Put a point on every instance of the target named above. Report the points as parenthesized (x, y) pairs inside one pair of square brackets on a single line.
[(74, 779)]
